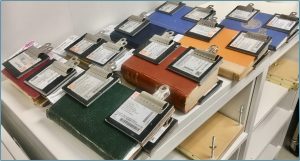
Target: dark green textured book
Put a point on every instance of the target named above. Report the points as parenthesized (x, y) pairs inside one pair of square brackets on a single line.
[(88, 123)]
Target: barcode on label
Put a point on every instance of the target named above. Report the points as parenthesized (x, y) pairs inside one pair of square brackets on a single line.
[(129, 124)]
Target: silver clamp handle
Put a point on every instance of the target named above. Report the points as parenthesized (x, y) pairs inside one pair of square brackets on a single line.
[(212, 22), (261, 35), (209, 54), (116, 47), (63, 68), (34, 52), (166, 38), (139, 18), (248, 8)]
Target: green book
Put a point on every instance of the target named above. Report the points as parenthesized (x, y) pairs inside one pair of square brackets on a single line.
[(88, 123)]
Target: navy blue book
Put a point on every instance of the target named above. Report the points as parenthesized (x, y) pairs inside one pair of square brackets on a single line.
[(175, 20), (256, 23), (137, 30)]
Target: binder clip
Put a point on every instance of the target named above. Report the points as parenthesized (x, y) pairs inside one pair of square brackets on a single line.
[(170, 5), (261, 35), (292, 16), (212, 22), (94, 38), (166, 38), (64, 68), (209, 54), (34, 52), (248, 8), (140, 18), (156, 101), (98, 72), (115, 47)]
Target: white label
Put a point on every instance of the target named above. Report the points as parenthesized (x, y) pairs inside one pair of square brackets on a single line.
[(168, 7), (205, 30), (59, 93), (196, 14), (60, 49), (192, 64), (242, 15), (101, 55), (130, 25), (246, 43), (133, 115), (44, 78), (87, 86), (281, 23), (23, 61), (154, 50), (81, 46)]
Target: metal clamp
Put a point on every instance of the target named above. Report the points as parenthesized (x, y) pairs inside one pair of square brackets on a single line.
[(156, 101), (166, 38), (292, 16), (115, 47), (34, 52), (94, 38), (212, 22), (213, 146), (98, 72), (248, 8), (63, 68), (208, 9), (209, 54), (261, 35), (139, 18)]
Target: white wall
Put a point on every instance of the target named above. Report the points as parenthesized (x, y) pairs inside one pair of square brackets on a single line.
[(53, 21)]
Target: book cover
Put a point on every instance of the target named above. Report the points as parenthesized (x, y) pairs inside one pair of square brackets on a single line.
[(140, 38), (173, 22), (147, 76), (88, 124), (235, 64), (257, 22)]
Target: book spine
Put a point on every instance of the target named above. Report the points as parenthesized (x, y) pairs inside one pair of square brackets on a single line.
[(148, 84), (51, 114)]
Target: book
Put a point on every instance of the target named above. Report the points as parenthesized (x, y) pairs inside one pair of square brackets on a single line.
[(254, 25), (28, 91), (185, 92), (175, 21), (137, 30), (220, 128), (142, 115), (80, 121), (27, 59), (48, 79), (236, 65)]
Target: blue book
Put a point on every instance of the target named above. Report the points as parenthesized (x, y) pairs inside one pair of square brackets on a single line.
[(140, 38), (256, 23), (175, 21)]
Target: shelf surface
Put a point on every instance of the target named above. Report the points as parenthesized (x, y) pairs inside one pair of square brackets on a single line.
[(269, 152), (176, 155), (266, 131), (271, 95)]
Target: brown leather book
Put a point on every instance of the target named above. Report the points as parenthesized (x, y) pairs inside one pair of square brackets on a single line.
[(147, 76)]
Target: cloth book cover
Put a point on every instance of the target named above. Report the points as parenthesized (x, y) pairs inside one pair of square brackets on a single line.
[(88, 123), (198, 145), (235, 64), (148, 76), (19, 82), (256, 23), (174, 22), (140, 38)]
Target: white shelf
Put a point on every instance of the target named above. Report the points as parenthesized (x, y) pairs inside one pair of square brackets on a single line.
[(176, 155), (271, 95), (266, 131), (269, 152)]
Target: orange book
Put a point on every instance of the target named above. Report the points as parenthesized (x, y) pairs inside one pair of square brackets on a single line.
[(235, 65)]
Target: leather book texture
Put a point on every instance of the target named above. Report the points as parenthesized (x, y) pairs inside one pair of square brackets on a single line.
[(197, 145), (235, 65), (147, 76), (89, 125)]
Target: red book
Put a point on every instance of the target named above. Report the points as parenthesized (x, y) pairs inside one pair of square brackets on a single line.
[(19, 83)]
